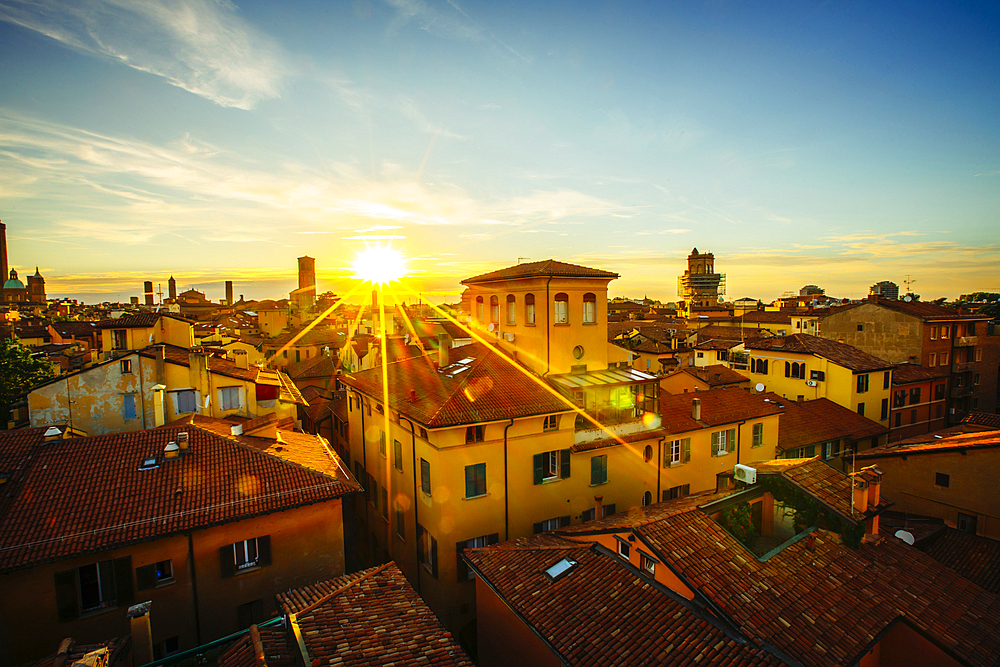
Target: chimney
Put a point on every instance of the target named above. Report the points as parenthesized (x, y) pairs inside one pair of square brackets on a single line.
[(800, 399), (598, 507), (171, 451), (696, 409), (442, 350), (142, 635), (860, 494), (413, 396), (182, 441), (811, 542), (241, 358)]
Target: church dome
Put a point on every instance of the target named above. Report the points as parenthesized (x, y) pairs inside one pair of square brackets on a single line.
[(13, 282)]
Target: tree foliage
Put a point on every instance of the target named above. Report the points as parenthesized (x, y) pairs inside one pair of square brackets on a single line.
[(19, 372), (738, 521)]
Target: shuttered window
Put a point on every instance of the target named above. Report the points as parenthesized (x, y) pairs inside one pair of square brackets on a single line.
[(95, 586), (246, 555)]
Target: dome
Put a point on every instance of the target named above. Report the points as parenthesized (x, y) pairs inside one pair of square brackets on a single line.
[(13, 282)]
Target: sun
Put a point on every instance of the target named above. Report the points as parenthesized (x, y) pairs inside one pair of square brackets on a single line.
[(379, 264)]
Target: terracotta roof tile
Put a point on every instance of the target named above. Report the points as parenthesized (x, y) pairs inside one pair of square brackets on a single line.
[(927, 311), (139, 320), (118, 651), (716, 375), (544, 268), (975, 558), (957, 442), (820, 420), (69, 497), (372, 617), (840, 353), (718, 407), (821, 481), (907, 373), (260, 647), (983, 419)]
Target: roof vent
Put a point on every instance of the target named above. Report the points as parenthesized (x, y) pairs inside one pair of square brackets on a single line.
[(171, 451), (559, 570), (182, 441), (52, 433), (696, 409), (149, 463), (413, 396)]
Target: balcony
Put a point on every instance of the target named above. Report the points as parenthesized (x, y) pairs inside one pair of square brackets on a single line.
[(961, 367), (961, 392), (966, 341)]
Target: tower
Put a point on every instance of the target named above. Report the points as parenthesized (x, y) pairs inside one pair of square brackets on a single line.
[(147, 289), (305, 295), (172, 288), (229, 292), (36, 287), (701, 286), (3, 252)]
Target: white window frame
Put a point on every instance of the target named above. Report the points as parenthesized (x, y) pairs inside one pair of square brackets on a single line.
[(720, 442), (560, 312), (647, 564), (246, 549), (551, 423), (624, 549), (225, 392), (589, 312), (676, 452), (551, 462)]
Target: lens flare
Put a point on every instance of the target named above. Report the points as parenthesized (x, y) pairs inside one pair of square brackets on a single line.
[(379, 264)]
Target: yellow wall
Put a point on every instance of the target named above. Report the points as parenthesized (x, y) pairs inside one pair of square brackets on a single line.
[(167, 330), (272, 321)]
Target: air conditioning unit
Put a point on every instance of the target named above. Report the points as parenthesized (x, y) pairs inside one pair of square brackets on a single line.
[(509, 337), (810, 383), (745, 474)]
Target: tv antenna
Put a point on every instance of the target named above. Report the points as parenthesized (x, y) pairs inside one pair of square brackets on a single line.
[(909, 281)]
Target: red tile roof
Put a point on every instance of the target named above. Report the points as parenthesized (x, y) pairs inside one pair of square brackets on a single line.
[(840, 353), (983, 419), (823, 482), (716, 375), (603, 612), (140, 320), (69, 497), (545, 268), (372, 617), (958, 442), (322, 366), (926, 311), (718, 407), (118, 651), (909, 373), (260, 647), (975, 558), (485, 389), (820, 420)]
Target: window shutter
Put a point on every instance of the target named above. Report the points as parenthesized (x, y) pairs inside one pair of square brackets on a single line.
[(460, 566), (264, 550), (470, 487), (420, 550), (564, 463), (66, 596), (227, 558), (538, 468), (145, 577), (731, 441), (686, 445), (604, 468), (686, 489), (563, 521), (595, 470), (434, 557), (536, 528), (124, 591)]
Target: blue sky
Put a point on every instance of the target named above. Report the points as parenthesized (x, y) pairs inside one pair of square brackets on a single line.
[(829, 143)]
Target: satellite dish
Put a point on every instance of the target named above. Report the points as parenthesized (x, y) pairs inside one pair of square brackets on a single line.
[(907, 298), (492, 326), (760, 386), (905, 536)]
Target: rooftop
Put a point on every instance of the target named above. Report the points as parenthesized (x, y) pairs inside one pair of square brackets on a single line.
[(975, 558), (140, 320), (839, 353), (543, 269), (925, 311), (718, 406), (820, 420), (959, 442), (716, 375), (909, 373)]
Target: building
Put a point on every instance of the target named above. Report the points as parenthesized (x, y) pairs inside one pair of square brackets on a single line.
[(172, 288), (305, 296), (701, 288), (732, 578), (13, 290), (807, 367), (206, 524), (703, 378), (951, 477), (928, 335), (371, 617), (147, 289), (885, 289), (140, 330), (919, 400)]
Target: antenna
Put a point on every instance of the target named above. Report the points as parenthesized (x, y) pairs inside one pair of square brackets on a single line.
[(909, 281)]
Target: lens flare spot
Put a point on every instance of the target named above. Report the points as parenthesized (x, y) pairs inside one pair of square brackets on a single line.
[(379, 264), (248, 485), (650, 419)]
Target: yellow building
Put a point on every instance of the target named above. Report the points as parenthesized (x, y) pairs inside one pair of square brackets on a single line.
[(145, 388), (808, 367), (139, 330)]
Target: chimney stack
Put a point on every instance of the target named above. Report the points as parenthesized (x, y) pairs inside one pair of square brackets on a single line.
[(142, 635), (183, 441), (696, 409), (171, 451), (598, 507), (442, 350)]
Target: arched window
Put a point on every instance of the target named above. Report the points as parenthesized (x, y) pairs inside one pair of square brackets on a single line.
[(647, 453), (511, 309), (480, 309), (647, 499), (561, 308), (788, 369), (494, 310), (589, 308), (529, 309)]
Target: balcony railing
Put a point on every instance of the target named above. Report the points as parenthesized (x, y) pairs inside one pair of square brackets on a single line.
[(961, 367), (966, 341), (959, 392)]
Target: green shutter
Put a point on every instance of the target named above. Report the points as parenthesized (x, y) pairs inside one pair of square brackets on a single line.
[(538, 468), (66, 604), (604, 469), (145, 577), (434, 557), (227, 559), (731, 444), (686, 446), (264, 550), (595, 470), (564, 463)]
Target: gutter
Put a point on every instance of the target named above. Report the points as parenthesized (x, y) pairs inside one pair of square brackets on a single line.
[(548, 331), (506, 508)]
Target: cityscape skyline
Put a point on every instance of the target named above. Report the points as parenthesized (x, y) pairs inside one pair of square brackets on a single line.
[(837, 146)]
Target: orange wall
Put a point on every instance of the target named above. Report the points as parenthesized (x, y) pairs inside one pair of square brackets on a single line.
[(504, 639), (902, 646)]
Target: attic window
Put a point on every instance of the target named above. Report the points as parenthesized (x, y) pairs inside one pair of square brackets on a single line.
[(149, 463), (560, 569)]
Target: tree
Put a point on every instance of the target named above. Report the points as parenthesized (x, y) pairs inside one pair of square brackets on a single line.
[(19, 372)]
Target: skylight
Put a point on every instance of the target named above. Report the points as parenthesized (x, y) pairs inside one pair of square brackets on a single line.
[(560, 568)]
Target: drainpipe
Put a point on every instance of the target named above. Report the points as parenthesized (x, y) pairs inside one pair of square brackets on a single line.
[(416, 521), (548, 332), (506, 510), (364, 456), (659, 465), (738, 438)]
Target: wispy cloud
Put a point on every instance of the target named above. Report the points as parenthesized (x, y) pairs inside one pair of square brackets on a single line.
[(662, 231), (202, 46)]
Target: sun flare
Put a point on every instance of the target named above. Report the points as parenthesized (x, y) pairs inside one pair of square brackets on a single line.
[(379, 264)]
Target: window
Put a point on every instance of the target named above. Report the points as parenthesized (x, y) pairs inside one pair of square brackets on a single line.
[(886, 379), (942, 480), (186, 401), (425, 477), (758, 435), (589, 308), (92, 587), (647, 453), (624, 549), (967, 522), (551, 465), (647, 499), (598, 469), (167, 647), (758, 366), (529, 309), (806, 452), (979, 354), (606, 510), (245, 555), (126, 365), (157, 574), (944, 358), (551, 423), (464, 573), (945, 332), (385, 503), (561, 315), (862, 384), (229, 398), (474, 433), (885, 409), (550, 524), (298, 356), (677, 452), (480, 309), (119, 339), (831, 449), (475, 480), (899, 419), (400, 521), (676, 492), (937, 412), (975, 379), (795, 370), (128, 406), (817, 375), (250, 613), (511, 309), (861, 327), (723, 442), (427, 550), (913, 416), (397, 455), (861, 409), (381, 443), (932, 359), (939, 392), (372, 490), (914, 395), (494, 310), (700, 355), (722, 355), (423, 433), (934, 332), (647, 564), (899, 398)]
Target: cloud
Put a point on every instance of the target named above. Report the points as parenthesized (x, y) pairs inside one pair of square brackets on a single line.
[(202, 46), (662, 231)]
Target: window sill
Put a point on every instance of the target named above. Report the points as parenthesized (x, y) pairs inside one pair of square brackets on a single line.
[(599, 483), (529, 324), (549, 480), (674, 464), (560, 324), (589, 324), (90, 613), (246, 570), (481, 495)]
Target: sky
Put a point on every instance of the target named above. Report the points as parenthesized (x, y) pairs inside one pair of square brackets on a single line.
[(828, 143)]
